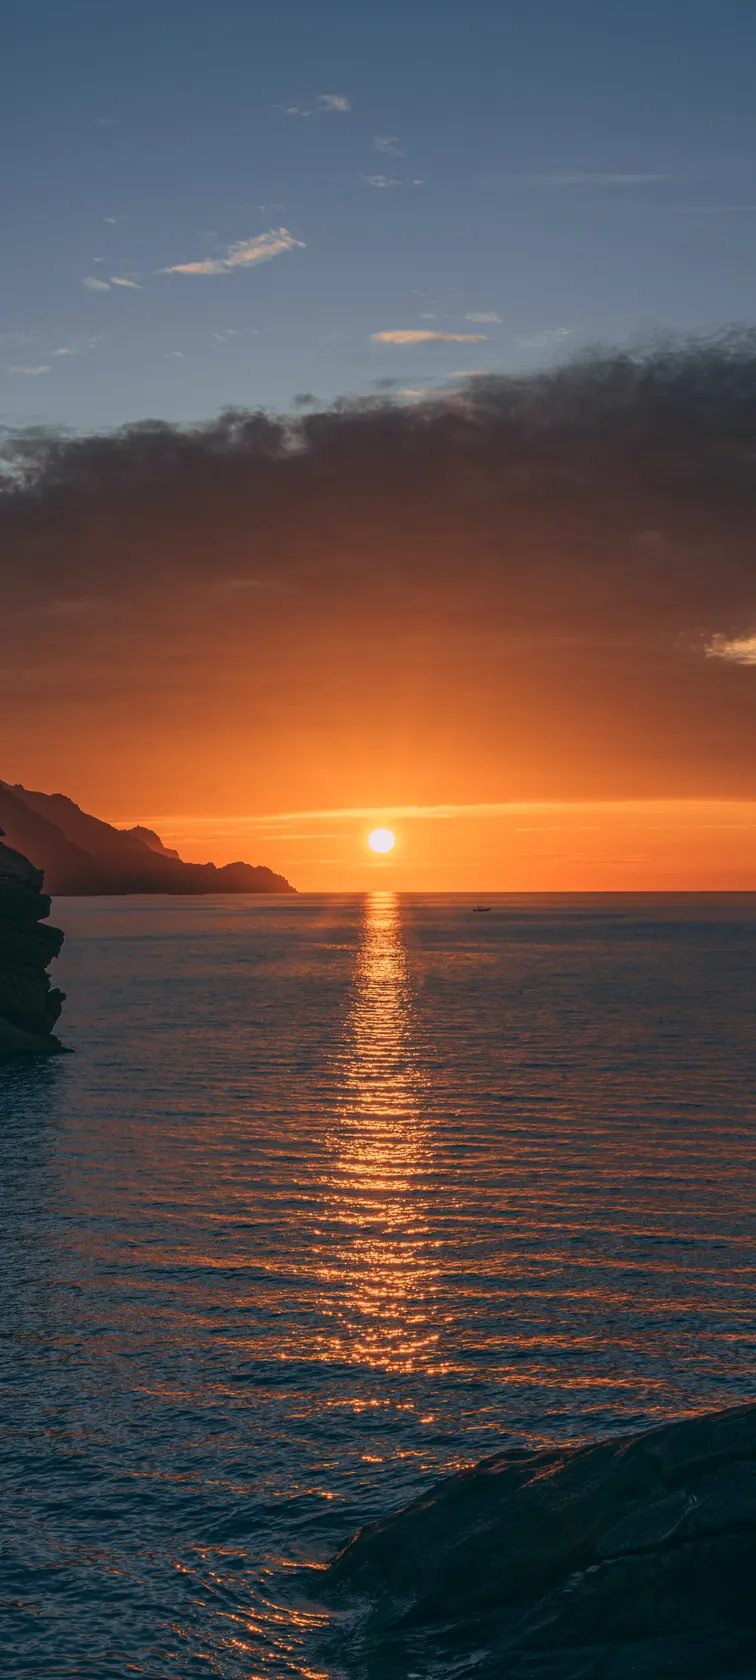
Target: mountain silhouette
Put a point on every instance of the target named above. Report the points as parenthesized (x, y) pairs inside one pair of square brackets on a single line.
[(152, 840), (81, 855)]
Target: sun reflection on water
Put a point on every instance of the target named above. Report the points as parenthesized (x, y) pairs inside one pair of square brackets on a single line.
[(379, 1269)]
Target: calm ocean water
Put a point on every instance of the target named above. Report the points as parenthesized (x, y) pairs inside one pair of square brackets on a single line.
[(338, 1194)]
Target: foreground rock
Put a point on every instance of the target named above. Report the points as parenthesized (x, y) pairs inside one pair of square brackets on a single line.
[(29, 1005), (629, 1557)]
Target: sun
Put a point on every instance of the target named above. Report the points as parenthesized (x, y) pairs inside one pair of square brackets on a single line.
[(381, 840)]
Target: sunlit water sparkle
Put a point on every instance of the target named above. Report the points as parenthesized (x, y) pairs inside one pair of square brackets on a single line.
[(336, 1195)]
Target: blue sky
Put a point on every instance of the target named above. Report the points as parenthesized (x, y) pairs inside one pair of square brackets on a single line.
[(205, 205)]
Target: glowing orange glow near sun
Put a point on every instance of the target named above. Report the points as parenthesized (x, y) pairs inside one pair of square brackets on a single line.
[(381, 840)]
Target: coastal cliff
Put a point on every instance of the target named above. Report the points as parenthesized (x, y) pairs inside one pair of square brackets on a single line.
[(82, 856), (29, 1004), (628, 1557)]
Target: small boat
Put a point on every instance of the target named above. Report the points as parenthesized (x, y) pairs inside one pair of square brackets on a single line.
[(481, 909)]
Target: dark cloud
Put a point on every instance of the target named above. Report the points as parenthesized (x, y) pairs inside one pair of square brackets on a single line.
[(543, 562)]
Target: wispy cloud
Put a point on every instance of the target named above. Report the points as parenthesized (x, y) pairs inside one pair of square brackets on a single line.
[(587, 178), (380, 181), (389, 143), (94, 284), (483, 315), (739, 650), (417, 336), (424, 813), (79, 608), (383, 181), (119, 280), (31, 372), (245, 254), (324, 102), (74, 349)]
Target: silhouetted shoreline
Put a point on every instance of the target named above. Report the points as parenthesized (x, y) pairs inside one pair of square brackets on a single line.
[(83, 856)]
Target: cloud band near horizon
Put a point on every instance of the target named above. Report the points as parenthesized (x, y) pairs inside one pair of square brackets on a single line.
[(544, 591)]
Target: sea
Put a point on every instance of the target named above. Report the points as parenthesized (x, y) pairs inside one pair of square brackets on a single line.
[(334, 1196)]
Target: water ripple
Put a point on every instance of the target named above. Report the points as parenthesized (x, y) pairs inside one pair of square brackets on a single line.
[(336, 1195)]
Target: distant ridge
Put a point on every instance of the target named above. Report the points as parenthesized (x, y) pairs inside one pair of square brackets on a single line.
[(81, 855), (152, 840)]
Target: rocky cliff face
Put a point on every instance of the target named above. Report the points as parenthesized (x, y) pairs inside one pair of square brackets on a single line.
[(624, 1558), (29, 1005)]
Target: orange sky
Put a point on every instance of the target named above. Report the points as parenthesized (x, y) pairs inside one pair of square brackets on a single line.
[(535, 608), (598, 847)]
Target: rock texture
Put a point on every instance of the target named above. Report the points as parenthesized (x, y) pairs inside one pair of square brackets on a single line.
[(29, 1005), (629, 1557)]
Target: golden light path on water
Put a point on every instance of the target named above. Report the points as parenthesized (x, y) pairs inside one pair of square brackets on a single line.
[(378, 1268), (337, 1195)]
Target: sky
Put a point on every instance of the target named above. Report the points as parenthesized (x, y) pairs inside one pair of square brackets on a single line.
[(378, 396), (231, 204)]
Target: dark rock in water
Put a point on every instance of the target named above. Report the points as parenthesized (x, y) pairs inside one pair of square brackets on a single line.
[(22, 904), (29, 1007), (28, 1001), (28, 948), (629, 1557)]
